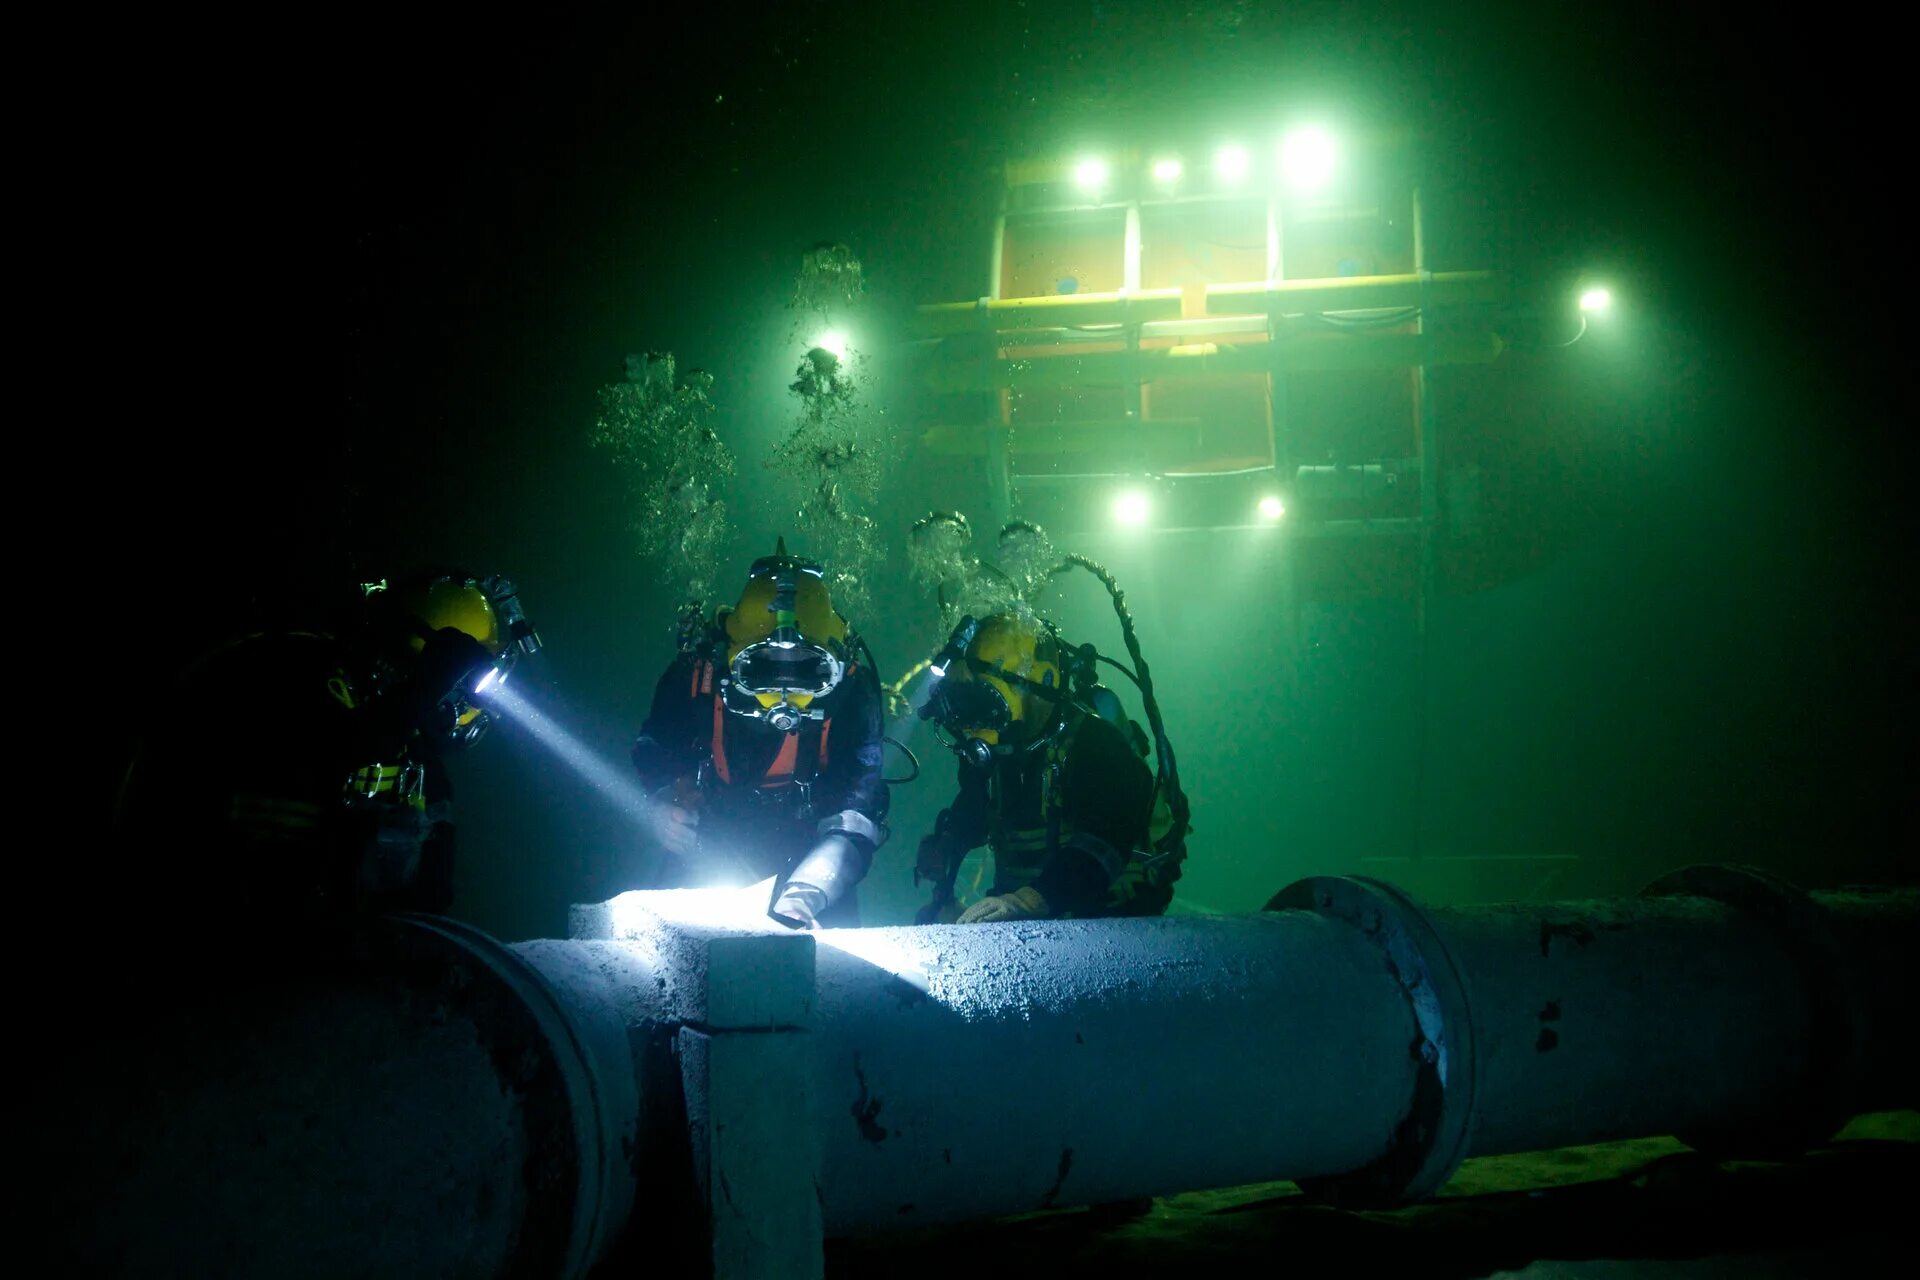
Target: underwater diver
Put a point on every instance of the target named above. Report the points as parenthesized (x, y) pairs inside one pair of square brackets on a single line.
[(763, 749), (297, 777), (1053, 778)]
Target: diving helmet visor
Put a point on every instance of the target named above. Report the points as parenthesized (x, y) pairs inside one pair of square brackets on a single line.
[(786, 667), (968, 706), (466, 674)]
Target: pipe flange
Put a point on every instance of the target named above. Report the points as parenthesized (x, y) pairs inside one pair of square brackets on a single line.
[(539, 1059), (1837, 1031), (1431, 1141)]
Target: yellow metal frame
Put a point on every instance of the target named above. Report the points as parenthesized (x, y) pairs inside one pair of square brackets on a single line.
[(1134, 338), (1281, 298)]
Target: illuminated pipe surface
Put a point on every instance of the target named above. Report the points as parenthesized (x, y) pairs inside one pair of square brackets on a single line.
[(968, 1072)]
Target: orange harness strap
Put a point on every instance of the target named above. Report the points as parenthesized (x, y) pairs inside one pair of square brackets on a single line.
[(780, 772)]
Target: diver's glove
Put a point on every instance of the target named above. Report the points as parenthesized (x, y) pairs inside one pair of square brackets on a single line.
[(678, 825), (1024, 903)]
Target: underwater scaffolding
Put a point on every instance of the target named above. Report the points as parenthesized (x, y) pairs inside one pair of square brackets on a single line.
[(681, 1069)]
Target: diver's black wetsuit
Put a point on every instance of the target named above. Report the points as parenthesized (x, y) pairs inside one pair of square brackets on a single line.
[(1063, 817), (269, 791), (763, 794)]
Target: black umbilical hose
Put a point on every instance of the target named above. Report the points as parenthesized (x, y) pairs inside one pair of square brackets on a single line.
[(881, 690), (1162, 745), (912, 759)]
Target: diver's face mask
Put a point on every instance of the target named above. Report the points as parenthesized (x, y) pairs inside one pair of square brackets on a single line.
[(777, 679), (786, 665), (460, 715), (960, 705), (775, 676), (458, 674), (969, 702), (962, 710)]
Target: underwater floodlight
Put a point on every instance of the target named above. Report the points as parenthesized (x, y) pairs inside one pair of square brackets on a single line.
[(832, 341), (1091, 175), (488, 680), (1231, 163), (1271, 508), (1595, 300), (1132, 507), (1307, 158), (1168, 171)]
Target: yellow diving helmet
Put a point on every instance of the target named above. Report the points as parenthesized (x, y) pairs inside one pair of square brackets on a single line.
[(785, 645), (997, 681), (465, 635)]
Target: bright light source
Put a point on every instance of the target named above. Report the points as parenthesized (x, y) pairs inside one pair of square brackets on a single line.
[(1595, 300), (1091, 175), (1168, 171), (1271, 508), (1132, 507), (1307, 158), (832, 341), (487, 680), (1231, 163)]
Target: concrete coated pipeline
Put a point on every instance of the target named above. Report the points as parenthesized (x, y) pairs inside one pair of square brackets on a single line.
[(967, 1072), (485, 1110), (1722, 1006), (1346, 1040)]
